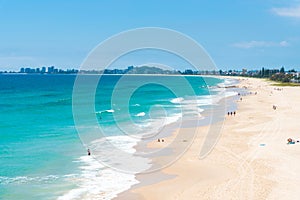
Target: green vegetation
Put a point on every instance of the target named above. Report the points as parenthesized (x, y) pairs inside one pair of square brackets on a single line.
[(284, 78), (281, 77), (286, 84)]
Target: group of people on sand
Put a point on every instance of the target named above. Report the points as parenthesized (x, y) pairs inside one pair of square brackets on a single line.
[(231, 113), (278, 89), (249, 93), (162, 140)]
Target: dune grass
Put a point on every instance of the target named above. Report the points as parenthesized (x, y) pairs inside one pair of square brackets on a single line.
[(286, 84)]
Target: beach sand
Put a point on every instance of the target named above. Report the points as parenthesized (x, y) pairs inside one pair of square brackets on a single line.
[(250, 161)]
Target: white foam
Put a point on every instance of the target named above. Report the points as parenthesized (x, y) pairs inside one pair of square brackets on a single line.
[(27, 179), (103, 111), (124, 143), (193, 106), (206, 100), (230, 94), (177, 100), (155, 125), (227, 82), (141, 114), (144, 124), (200, 110), (172, 119), (199, 101), (99, 182)]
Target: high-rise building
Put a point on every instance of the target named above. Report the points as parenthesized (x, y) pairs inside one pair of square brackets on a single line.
[(244, 71), (27, 70), (43, 70), (51, 69), (130, 68)]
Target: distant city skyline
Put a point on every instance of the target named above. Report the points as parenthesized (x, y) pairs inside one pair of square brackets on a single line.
[(153, 70), (236, 34)]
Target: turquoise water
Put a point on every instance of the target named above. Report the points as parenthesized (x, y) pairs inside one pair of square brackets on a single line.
[(41, 154)]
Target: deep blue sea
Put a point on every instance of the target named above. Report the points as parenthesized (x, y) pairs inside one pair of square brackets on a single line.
[(41, 154)]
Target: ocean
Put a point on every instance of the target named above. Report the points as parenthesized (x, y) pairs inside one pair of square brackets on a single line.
[(43, 153)]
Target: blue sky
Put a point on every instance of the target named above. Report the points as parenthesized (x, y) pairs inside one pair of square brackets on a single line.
[(237, 34)]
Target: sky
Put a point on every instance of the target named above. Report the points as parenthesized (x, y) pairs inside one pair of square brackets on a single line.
[(236, 34)]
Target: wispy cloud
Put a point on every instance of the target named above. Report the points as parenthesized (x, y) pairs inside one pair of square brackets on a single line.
[(16, 58), (254, 44), (287, 12)]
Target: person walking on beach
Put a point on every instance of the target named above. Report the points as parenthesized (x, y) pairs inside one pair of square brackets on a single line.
[(234, 113), (291, 141)]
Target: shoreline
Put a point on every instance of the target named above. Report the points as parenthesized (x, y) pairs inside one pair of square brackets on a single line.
[(228, 103), (251, 159), (127, 182)]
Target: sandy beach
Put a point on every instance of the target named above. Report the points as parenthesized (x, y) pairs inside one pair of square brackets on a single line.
[(251, 159)]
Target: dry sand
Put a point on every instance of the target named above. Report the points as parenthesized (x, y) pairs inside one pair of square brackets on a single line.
[(250, 161)]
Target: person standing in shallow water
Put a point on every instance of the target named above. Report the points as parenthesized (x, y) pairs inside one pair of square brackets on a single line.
[(88, 152)]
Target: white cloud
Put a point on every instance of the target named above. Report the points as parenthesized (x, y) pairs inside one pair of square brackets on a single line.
[(254, 44), (288, 12), (284, 44)]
